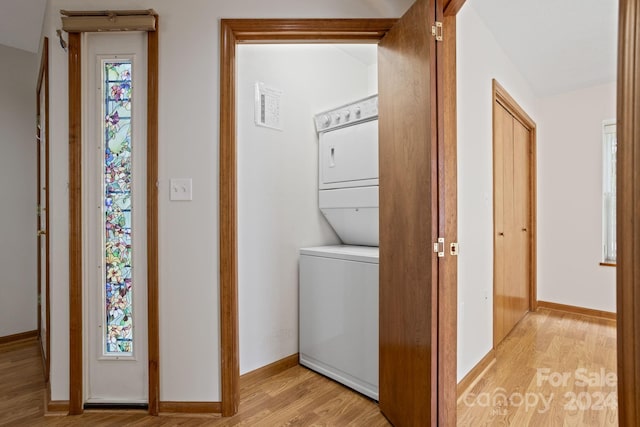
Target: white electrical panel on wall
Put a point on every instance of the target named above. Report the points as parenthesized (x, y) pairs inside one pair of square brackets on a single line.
[(267, 106)]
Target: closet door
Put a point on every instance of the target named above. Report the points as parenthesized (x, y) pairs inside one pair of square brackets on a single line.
[(512, 195), (521, 226)]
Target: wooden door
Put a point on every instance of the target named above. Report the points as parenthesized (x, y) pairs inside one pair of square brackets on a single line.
[(408, 219), (522, 219), (42, 135), (512, 221)]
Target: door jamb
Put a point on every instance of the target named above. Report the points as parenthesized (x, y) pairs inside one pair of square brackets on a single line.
[(628, 233), (503, 98), (75, 224)]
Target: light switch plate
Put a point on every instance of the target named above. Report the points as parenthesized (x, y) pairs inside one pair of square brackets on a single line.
[(181, 189)]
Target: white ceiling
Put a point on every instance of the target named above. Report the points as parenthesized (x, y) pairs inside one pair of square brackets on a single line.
[(558, 45), (21, 23)]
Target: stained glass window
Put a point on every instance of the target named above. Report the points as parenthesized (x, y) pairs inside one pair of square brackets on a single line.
[(117, 208)]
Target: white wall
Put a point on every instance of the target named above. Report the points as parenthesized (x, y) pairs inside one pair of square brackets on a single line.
[(278, 186), (18, 253), (570, 199), (480, 60), (569, 179), (188, 138), (373, 78)]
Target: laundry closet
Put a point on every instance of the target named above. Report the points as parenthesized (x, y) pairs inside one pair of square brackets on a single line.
[(308, 209)]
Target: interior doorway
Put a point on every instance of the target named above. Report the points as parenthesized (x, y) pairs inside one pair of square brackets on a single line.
[(514, 203)]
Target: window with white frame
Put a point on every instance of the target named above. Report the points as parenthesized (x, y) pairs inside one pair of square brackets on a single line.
[(610, 147)]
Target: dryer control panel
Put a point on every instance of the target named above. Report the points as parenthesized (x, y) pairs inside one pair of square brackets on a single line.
[(348, 115)]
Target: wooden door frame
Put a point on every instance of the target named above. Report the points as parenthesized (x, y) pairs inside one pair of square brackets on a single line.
[(628, 221), (43, 129), (76, 349), (236, 31), (500, 97)]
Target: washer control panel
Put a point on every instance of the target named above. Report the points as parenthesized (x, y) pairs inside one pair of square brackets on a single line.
[(346, 115)]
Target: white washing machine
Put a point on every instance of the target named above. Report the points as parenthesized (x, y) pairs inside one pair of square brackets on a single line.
[(339, 314), (339, 284)]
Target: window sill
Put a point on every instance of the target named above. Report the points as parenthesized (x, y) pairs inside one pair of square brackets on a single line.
[(608, 264)]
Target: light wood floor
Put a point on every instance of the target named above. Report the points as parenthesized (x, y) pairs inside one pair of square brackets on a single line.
[(561, 343), (295, 397), (547, 356)]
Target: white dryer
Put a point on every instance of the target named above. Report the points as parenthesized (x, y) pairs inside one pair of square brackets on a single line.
[(339, 284), (348, 170)]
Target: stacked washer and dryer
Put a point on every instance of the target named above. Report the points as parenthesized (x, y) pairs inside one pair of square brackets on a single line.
[(339, 284)]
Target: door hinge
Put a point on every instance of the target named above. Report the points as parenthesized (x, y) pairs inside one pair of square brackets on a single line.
[(453, 249), (436, 31), (438, 247)]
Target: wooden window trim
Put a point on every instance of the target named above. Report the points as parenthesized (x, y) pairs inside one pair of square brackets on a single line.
[(76, 367)]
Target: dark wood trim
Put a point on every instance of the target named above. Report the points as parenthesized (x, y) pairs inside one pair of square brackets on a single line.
[(476, 373), (75, 226), (506, 100), (233, 31), (628, 221), (608, 264), (43, 84), (448, 273), (230, 369), (7, 339), (583, 311), (533, 166), (153, 313), (167, 407), (47, 159), (451, 8), (57, 406), (308, 30), (503, 98), (54, 407), (251, 378)]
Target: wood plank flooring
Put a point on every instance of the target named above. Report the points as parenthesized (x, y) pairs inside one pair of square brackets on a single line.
[(551, 370), (295, 397), (545, 348)]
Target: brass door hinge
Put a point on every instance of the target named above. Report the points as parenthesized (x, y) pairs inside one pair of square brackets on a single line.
[(436, 31), (438, 247)]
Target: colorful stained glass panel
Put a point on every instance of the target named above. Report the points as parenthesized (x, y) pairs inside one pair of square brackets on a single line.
[(117, 209)]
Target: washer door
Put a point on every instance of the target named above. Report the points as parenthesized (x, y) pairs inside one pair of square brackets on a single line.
[(349, 156)]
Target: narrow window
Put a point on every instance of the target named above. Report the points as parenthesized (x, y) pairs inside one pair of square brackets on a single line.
[(117, 207), (610, 147)]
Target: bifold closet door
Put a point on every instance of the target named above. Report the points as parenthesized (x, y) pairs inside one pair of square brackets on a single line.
[(512, 192)]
